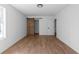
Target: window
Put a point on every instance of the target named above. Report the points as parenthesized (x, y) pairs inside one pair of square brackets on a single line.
[(2, 22)]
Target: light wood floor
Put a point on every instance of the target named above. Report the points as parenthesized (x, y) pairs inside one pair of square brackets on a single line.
[(39, 45)]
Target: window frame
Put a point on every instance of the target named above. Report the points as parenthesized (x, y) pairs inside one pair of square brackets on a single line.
[(3, 25)]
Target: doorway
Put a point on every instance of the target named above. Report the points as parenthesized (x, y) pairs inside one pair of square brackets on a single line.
[(32, 26), (36, 27), (55, 26)]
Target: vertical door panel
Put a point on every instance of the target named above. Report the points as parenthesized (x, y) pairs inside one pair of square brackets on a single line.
[(30, 26)]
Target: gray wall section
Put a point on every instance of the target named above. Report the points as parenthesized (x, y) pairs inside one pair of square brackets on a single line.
[(36, 26)]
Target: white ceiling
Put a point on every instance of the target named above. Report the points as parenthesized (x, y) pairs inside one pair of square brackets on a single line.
[(33, 10)]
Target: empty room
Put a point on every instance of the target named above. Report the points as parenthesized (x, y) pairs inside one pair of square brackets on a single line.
[(39, 28)]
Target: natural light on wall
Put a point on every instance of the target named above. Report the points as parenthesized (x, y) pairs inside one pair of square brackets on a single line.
[(2, 22)]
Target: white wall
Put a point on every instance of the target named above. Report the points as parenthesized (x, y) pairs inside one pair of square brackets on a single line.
[(15, 25), (68, 26), (44, 24)]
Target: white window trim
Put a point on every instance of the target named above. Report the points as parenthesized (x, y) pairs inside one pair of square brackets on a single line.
[(3, 26)]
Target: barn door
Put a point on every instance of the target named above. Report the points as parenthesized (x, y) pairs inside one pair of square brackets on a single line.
[(30, 26)]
